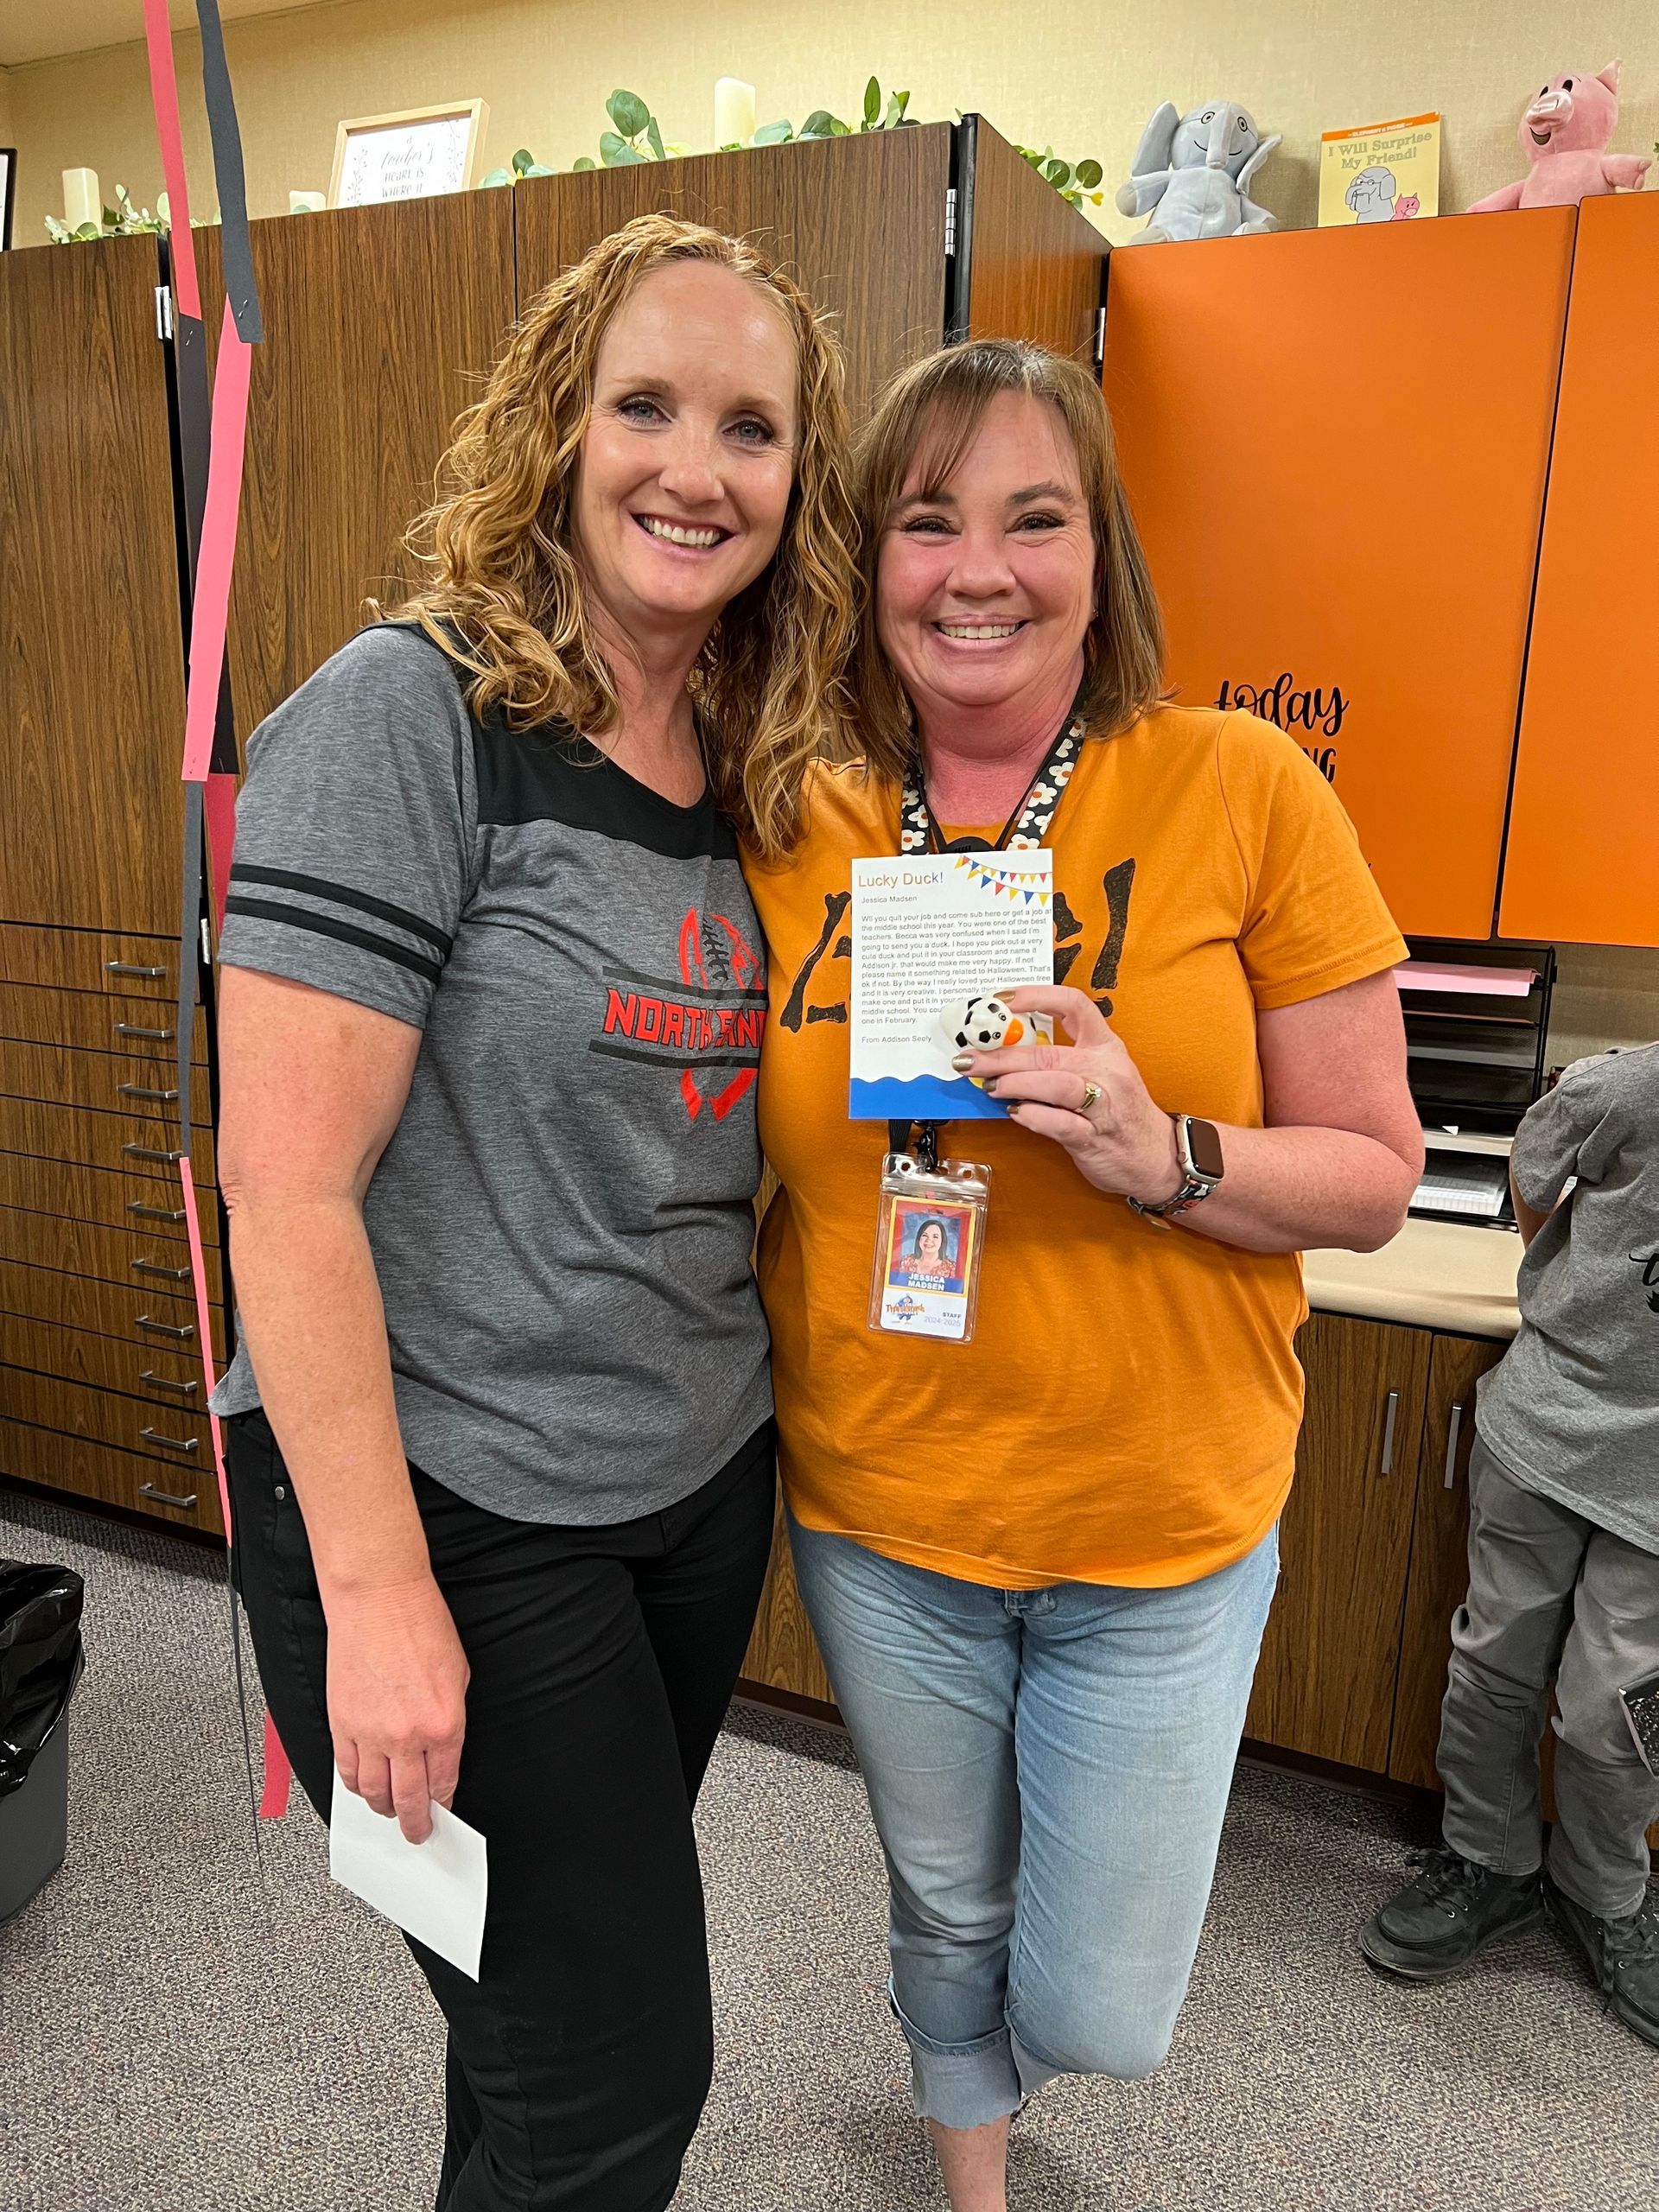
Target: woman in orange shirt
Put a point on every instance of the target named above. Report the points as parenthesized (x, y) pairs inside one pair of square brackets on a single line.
[(1044, 1650)]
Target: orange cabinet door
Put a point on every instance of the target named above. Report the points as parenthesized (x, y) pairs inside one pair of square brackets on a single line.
[(1335, 444), (1583, 857)]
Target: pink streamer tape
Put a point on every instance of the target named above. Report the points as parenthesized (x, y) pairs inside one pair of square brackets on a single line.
[(218, 804), (210, 606), (164, 98), (209, 616), (204, 1328), (279, 1775)]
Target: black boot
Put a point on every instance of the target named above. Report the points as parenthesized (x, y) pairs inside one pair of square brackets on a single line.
[(1435, 1925), (1623, 1956)]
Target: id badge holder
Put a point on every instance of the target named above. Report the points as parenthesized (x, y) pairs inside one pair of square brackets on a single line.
[(930, 1239)]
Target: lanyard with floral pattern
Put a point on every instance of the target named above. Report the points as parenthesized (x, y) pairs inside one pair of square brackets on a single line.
[(1027, 825)]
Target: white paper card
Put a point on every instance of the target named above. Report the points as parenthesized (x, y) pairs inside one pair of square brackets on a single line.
[(435, 1891), (932, 931)]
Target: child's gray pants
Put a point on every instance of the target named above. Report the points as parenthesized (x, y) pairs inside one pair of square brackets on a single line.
[(1552, 1597)]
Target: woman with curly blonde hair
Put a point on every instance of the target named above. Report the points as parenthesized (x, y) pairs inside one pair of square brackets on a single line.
[(500, 1422)]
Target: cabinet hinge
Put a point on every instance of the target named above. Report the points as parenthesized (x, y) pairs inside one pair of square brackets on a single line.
[(951, 219), (1100, 339), (163, 312)]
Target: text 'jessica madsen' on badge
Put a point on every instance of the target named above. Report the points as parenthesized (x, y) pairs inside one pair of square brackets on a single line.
[(934, 936)]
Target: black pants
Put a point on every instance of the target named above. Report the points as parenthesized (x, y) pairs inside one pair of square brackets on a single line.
[(602, 1661)]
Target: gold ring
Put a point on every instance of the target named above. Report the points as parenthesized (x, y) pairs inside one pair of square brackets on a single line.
[(1092, 1094)]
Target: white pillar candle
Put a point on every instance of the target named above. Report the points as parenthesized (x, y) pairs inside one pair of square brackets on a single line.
[(81, 201), (733, 111), (306, 203)]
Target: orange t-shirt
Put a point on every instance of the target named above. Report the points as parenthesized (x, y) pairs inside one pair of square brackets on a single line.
[(1126, 1410)]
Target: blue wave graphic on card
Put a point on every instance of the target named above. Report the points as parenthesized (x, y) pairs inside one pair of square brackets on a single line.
[(923, 1098)]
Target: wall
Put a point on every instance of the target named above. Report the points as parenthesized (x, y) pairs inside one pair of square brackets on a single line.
[(1605, 995), (1079, 74)]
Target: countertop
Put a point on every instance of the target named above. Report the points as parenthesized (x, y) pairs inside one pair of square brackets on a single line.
[(1436, 1274)]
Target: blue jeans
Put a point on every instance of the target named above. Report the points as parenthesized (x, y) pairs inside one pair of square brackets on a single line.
[(1048, 1770)]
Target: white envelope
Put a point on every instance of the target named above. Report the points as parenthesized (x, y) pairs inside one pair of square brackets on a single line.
[(435, 1891)]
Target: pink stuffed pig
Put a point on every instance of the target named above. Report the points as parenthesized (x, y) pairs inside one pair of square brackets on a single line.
[(1564, 133)]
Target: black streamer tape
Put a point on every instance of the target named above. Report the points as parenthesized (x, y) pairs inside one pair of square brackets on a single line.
[(240, 289)]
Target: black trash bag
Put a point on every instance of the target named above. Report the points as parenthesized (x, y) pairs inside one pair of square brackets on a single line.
[(41, 1660)]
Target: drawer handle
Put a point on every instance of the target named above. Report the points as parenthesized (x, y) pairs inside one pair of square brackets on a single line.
[(149, 1036), (140, 1091), (1451, 1435), (166, 1382), (154, 1214), (1387, 1467), (173, 1443), (125, 968), (166, 1497), (150, 1267), (146, 1152), (167, 1328)]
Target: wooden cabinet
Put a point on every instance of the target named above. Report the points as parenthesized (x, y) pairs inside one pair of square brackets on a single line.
[(1583, 856), (868, 225), (379, 321), (1325, 1685), (1335, 444), (1440, 1554), (92, 676), (95, 1301)]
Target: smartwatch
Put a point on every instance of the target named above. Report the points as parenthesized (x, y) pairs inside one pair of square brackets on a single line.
[(1199, 1144)]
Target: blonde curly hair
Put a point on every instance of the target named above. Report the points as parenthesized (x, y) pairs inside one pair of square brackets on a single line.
[(506, 599)]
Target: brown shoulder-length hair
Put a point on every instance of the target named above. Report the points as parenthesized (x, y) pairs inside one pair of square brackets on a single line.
[(934, 409), (504, 594)]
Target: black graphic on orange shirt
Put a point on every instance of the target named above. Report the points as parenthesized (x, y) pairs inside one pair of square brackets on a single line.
[(821, 985), (705, 1023)]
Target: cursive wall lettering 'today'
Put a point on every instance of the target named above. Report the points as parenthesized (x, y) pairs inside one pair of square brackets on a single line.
[(1290, 707)]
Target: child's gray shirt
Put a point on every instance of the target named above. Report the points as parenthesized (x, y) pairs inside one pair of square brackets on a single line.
[(1572, 1409)]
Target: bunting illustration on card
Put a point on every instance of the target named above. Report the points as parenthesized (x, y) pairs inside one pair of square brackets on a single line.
[(212, 432)]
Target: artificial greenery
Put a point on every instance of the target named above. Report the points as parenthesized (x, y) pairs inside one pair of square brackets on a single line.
[(877, 115), (1075, 181), (637, 137), (121, 222), (523, 165)]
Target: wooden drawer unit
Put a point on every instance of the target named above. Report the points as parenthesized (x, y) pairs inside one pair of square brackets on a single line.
[(95, 1194), (162, 1372), (141, 1314), (84, 1248), (178, 1434), (108, 1082), (188, 1496), (119, 1142), (89, 960), (94, 1021)]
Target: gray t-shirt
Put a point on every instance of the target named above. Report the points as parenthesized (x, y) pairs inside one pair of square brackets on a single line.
[(563, 1220), (1572, 1408)]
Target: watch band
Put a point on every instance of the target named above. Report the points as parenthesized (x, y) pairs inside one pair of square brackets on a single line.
[(1196, 1181)]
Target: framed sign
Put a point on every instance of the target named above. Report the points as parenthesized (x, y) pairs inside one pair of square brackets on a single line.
[(410, 156), (8, 187)]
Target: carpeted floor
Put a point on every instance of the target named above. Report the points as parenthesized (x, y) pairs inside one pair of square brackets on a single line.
[(188, 2027)]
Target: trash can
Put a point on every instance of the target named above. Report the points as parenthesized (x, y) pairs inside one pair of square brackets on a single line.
[(41, 1663)]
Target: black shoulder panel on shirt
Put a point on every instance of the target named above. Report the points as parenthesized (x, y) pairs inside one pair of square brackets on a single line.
[(552, 775)]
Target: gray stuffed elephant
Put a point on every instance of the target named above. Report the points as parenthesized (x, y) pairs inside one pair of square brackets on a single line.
[(1195, 170)]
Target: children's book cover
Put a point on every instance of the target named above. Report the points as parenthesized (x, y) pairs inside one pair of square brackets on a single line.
[(1381, 172)]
